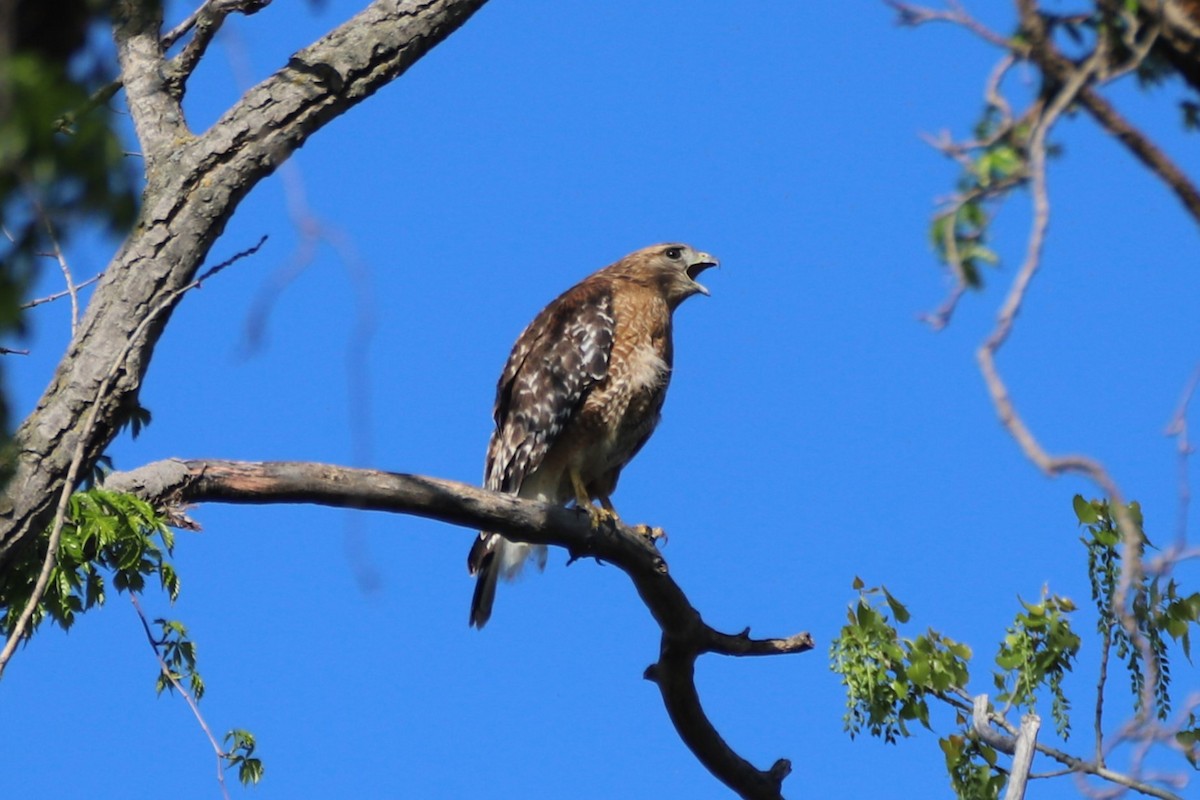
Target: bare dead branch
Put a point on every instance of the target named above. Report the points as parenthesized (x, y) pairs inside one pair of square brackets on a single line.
[(1023, 757), (173, 483)]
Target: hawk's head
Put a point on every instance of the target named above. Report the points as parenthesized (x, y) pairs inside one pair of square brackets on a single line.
[(671, 268)]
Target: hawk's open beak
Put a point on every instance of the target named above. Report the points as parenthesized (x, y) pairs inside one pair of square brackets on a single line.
[(703, 262)]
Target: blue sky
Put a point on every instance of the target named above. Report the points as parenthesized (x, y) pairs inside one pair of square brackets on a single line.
[(815, 430)]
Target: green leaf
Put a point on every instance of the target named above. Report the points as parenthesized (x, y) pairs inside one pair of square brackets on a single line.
[(898, 609), (1085, 511)]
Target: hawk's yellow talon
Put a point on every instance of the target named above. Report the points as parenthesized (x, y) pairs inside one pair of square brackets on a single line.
[(653, 534), (600, 516)]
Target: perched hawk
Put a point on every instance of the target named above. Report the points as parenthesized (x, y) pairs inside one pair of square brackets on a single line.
[(580, 394)]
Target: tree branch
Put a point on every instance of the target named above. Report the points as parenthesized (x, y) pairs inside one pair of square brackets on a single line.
[(207, 21), (977, 707), (157, 116), (194, 185), (1023, 757), (685, 636)]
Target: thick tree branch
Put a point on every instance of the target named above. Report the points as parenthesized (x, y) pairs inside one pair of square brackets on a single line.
[(174, 483), (157, 116), (1144, 150), (194, 185)]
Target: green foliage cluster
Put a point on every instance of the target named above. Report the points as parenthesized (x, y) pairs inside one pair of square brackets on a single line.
[(890, 679), (1038, 651), (58, 147), (118, 540), (1158, 606), (104, 533), (178, 652), (995, 163), (971, 765), (239, 752)]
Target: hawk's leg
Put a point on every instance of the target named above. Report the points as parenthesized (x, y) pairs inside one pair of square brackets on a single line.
[(583, 500)]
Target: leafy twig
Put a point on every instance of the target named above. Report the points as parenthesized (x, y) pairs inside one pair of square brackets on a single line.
[(169, 674)]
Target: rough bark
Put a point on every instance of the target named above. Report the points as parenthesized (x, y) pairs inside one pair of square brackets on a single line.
[(194, 184)]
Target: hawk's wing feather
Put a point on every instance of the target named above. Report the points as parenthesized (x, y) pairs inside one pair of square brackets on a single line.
[(554, 364)]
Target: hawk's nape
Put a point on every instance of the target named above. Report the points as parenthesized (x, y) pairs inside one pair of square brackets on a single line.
[(580, 395)]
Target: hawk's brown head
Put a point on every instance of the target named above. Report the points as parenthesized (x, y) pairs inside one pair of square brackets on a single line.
[(672, 268)]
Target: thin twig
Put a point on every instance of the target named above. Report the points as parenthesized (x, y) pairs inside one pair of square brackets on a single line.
[(1016, 295), (1177, 428), (189, 22), (64, 267), (59, 295), (1105, 649), (918, 15), (939, 318), (1072, 85), (191, 701)]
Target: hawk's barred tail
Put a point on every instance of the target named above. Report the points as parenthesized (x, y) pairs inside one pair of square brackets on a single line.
[(485, 564), (485, 593)]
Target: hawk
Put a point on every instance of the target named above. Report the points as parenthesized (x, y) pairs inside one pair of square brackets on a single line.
[(581, 393)]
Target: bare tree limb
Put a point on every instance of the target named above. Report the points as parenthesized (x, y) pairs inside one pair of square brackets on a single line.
[(1023, 757), (977, 708), (685, 636)]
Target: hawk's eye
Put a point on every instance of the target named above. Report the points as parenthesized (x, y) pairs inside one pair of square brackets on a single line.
[(673, 253)]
